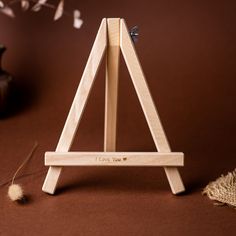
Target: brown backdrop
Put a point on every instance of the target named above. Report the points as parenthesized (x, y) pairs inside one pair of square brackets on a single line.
[(188, 53)]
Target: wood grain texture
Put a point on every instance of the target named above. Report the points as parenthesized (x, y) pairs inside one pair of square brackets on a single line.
[(78, 104), (114, 159), (112, 68), (147, 104)]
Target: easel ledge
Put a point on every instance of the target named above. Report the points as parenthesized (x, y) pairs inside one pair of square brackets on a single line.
[(114, 159)]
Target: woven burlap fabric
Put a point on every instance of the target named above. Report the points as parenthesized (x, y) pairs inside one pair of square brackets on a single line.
[(223, 189)]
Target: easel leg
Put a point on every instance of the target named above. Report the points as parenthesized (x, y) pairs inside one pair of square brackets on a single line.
[(148, 106), (78, 104), (112, 67)]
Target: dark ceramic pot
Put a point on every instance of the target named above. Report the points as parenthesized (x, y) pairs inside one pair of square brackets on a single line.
[(5, 84)]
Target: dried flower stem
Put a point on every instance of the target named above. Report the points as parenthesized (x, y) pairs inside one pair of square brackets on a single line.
[(25, 161)]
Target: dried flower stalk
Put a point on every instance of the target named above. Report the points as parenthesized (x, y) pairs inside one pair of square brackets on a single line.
[(36, 5)]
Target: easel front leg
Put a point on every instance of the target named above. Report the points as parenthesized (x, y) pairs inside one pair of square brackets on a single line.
[(112, 67), (78, 104), (148, 106)]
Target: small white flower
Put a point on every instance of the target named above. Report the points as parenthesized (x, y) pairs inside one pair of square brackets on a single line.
[(77, 21)]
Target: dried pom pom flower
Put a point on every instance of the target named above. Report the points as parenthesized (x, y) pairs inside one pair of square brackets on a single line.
[(15, 192)]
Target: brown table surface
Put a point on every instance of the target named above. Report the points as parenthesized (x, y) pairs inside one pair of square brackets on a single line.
[(187, 50)]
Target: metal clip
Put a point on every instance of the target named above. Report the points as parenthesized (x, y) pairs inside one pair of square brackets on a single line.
[(134, 33)]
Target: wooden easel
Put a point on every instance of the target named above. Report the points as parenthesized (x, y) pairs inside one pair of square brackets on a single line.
[(113, 36)]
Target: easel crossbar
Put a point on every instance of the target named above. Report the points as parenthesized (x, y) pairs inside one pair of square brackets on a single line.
[(114, 159)]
